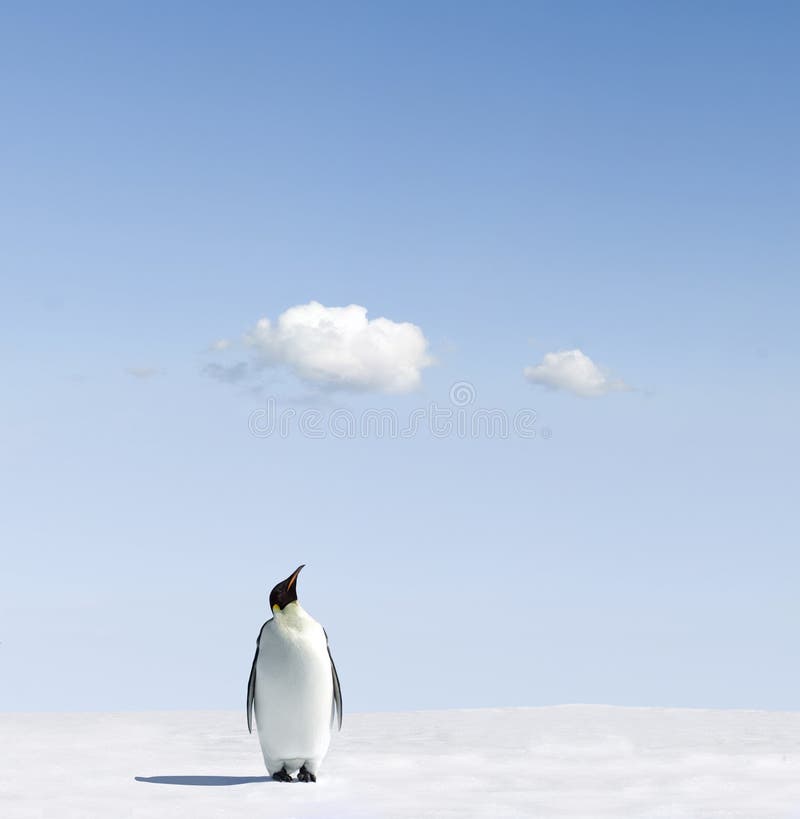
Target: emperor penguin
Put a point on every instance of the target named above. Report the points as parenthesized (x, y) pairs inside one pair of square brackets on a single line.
[(294, 688)]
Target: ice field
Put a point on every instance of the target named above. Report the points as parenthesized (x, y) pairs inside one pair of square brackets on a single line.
[(566, 761)]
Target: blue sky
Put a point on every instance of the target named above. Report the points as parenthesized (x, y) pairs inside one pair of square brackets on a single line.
[(514, 180)]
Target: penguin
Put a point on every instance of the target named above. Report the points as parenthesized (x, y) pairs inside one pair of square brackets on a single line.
[(293, 688)]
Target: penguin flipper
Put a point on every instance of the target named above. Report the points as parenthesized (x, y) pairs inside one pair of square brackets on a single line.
[(337, 689), (251, 684), (251, 693)]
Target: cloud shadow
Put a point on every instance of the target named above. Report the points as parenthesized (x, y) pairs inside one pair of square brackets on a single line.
[(205, 781)]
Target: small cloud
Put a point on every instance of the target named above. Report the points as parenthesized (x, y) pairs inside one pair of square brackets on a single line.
[(340, 347), (142, 372), (228, 373), (575, 372), (220, 345)]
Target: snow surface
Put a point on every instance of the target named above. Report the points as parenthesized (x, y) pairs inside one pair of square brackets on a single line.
[(566, 761)]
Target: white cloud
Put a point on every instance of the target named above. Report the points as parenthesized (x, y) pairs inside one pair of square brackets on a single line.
[(340, 347), (574, 371), (220, 345)]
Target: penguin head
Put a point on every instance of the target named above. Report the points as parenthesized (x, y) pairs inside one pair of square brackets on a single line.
[(285, 592)]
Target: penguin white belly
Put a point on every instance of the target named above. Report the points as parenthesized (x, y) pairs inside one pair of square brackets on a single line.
[(293, 696)]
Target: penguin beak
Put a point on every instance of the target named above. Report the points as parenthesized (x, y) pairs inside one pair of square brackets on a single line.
[(293, 578)]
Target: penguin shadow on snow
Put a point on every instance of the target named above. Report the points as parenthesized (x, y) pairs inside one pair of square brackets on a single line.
[(204, 781)]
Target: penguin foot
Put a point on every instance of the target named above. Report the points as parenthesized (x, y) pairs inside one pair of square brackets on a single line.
[(281, 776), (304, 775)]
